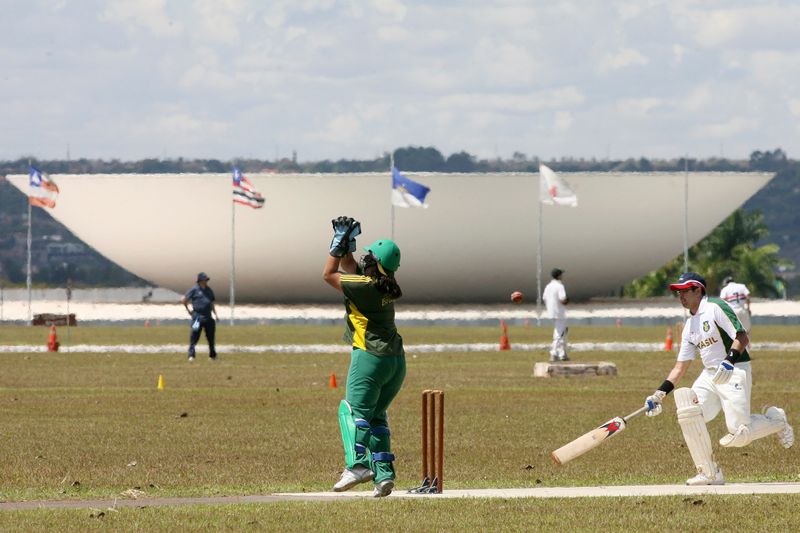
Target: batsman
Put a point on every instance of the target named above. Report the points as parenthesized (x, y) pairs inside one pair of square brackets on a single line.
[(377, 361), (725, 383)]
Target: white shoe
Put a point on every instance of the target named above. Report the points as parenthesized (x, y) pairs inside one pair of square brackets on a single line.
[(702, 479), (383, 489), (191, 358), (352, 477), (786, 435)]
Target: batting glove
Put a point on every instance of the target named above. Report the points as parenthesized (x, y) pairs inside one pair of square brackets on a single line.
[(653, 403), (724, 373)]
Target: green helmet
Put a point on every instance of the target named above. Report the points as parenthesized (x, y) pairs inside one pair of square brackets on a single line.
[(386, 252)]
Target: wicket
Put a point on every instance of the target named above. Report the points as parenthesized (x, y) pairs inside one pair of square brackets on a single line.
[(432, 442)]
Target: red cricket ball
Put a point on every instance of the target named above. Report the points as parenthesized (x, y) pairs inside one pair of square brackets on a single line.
[(516, 297)]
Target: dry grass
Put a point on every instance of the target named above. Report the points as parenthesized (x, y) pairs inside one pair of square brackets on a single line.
[(88, 425)]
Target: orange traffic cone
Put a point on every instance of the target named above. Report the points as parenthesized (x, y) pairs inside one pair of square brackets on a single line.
[(504, 344), (332, 382), (52, 341), (147, 323), (668, 341)]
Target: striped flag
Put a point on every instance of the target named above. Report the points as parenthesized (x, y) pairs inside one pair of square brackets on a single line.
[(43, 190), (244, 193)]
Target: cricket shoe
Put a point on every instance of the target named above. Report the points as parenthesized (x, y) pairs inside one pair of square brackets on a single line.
[(564, 357), (383, 489), (352, 477), (191, 358), (702, 479), (786, 435)]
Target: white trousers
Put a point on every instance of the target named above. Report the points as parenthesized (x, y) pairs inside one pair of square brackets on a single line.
[(744, 318), (560, 330), (733, 398)]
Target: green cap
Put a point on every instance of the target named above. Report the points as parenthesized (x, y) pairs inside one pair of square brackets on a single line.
[(386, 252)]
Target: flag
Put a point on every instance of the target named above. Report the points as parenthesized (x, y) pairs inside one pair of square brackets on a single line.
[(43, 190), (406, 192), (553, 190), (244, 193)]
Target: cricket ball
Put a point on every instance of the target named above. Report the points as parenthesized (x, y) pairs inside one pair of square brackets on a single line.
[(516, 297)]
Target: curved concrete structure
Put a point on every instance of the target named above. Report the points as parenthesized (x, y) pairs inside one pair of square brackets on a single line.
[(476, 243)]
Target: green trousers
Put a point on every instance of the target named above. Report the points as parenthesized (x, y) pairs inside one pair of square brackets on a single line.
[(372, 383)]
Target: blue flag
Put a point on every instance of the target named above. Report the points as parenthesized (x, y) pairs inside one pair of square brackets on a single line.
[(406, 192)]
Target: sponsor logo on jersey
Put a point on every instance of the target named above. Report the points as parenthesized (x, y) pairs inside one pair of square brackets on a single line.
[(706, 326), (707, 342)]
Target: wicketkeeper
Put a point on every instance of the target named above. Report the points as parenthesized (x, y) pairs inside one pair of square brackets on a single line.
[(377, 362), (725, 383)]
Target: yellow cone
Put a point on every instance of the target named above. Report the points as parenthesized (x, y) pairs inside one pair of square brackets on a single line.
[(160, 382)]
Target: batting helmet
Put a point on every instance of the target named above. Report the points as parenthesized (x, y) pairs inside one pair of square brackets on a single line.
[(386, 252)]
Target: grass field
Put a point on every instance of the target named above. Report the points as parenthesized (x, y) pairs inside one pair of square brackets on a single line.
[(76, 426)]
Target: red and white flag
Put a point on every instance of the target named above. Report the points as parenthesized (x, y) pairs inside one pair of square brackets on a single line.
[(553, 190), (244, 193)]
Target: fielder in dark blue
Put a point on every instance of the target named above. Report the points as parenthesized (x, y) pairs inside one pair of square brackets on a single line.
[(202, 298)]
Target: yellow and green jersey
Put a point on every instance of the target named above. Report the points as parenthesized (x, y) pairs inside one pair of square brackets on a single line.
[(370, 317)]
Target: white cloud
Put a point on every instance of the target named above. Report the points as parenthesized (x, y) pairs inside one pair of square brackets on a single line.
[(722, 130), (623, 58), (393, 34), (149, 14), (515, 103), (639, 107), (566, 77), (393, 8), (344, 128), (218, 20), (753, 26), (505, 16), (504, 62), (562, 122), (678, 51), (697, 99)]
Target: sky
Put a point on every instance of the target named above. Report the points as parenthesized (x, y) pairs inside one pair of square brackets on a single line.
[(354, 79)]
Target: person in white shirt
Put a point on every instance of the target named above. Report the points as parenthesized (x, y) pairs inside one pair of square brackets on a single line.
[(724, 384), (738, 297), (555, 299)]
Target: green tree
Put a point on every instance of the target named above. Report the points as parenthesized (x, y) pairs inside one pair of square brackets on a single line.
[(731, 249)]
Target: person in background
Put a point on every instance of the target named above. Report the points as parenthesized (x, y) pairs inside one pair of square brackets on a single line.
[(202, 298), (738, 297), (555, 299)]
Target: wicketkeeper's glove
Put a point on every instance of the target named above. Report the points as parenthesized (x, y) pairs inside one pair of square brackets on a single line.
[(345, 231)]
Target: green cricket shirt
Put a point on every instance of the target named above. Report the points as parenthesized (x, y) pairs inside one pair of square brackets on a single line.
[(370, 317)]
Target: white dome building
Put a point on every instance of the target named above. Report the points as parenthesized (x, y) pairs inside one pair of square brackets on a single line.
[(477, 242)]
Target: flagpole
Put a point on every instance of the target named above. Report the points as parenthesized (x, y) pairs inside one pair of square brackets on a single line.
[(686, 213), (69, 297), (28, 274), (539, 258), (233, 257), (391, 167)]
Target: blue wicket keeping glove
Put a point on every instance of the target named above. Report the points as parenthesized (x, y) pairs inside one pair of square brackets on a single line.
[(345, 230)]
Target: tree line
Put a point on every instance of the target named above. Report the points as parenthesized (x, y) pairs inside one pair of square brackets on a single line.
[(410, 158)]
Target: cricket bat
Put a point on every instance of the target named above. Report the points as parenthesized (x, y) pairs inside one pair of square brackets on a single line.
[(594, 438)]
